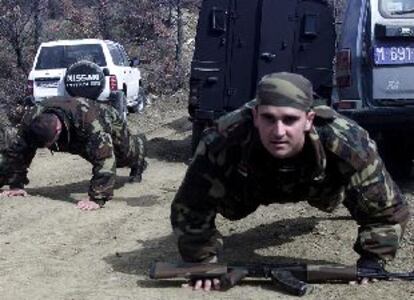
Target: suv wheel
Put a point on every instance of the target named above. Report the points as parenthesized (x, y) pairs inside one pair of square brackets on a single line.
[(84, 79), (141, 101)]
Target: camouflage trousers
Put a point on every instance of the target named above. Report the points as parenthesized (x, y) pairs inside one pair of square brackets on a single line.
[(130, 150)]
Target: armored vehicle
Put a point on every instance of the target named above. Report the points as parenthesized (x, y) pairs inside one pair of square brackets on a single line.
[(374, 75), (239, 41)]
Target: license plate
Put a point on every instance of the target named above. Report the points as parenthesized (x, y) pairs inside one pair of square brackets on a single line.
[(47, 83), (393, 55)]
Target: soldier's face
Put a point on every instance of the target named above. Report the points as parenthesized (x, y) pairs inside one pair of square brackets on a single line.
[(58, 129), (282, 129)]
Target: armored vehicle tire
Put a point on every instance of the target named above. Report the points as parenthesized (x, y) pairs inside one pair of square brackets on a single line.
[(118, 101), (84, 79)]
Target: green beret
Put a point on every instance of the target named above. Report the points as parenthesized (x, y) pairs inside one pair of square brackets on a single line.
[(285, 89)]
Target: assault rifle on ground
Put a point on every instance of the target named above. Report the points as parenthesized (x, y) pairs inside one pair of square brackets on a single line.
[(292, 278)]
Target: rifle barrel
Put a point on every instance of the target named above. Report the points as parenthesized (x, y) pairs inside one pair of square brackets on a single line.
[(408, 276)]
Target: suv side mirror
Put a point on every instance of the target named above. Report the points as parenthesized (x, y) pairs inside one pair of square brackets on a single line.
[(218, 20), (134, 62)]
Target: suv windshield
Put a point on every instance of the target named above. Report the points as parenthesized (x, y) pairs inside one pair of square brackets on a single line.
[(59, 57), (397, 8)]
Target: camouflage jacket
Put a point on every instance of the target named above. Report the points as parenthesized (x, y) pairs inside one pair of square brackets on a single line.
[(232, 174), (88, 130)]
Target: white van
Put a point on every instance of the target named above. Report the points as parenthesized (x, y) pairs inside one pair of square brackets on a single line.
[(374, 75)]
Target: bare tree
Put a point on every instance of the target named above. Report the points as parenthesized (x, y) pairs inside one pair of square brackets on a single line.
[(104, 19), (39, 10), (16, 28), (180, 31)]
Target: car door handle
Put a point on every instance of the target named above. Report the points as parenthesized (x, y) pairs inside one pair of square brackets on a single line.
[(212, 79), (267, 56)]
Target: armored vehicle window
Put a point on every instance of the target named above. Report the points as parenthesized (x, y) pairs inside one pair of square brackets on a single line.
[(60, 57), (397, 8)]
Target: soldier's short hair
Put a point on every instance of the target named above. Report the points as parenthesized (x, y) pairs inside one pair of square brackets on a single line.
[(285, 89), (42, 129)]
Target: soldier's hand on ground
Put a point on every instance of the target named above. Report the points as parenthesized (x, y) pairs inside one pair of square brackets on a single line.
[(14, 193), (135, 179), (203, 284), (371, 264), (87, 204), (364, 280)]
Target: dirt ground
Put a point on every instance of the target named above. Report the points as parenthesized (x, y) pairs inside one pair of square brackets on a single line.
[(50, 250)]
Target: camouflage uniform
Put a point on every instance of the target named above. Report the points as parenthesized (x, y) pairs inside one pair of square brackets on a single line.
[(90, 129), (7, 136), (232, 174)]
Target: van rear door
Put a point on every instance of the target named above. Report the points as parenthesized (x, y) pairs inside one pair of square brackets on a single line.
[(315, 44), (393, 52), (299, 37), (241, 65), (224, 66), (209, 60), (277, 36)]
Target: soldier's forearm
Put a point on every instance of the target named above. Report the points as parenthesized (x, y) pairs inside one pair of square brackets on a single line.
[(18, 180), (14, 186), (100, 202), (203, 247), (198, 239), (103, 180), (378, 205), (381, 237), (381, 242), (99, 194), (101, 189)]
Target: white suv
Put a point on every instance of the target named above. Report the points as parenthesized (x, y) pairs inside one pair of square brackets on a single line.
[(92, 68)]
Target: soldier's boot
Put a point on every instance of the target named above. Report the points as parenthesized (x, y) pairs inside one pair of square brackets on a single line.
[(141, 164), (135, 175)]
